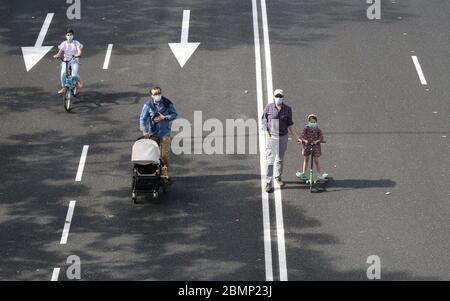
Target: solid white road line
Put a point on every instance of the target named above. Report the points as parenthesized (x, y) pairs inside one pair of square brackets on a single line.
[(262, 159), (267, 54), (423, 81), (277, 192), (66, 229), (55, 274), (81, 164), (108, 56)]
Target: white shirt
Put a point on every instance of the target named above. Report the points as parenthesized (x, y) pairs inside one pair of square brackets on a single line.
[(70, 49)]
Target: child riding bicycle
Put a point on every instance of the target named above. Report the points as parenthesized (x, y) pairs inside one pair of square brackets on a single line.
[(72, 51), (311, 136)]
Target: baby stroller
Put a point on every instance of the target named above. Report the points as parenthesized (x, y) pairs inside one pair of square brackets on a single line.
[(147, 164)]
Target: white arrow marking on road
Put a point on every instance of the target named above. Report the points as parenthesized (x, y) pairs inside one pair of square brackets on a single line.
[(32, 55), (184, 49)]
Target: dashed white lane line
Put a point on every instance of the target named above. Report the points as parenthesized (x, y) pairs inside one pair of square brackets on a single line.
[(277, 192), (81, 164), (423, 81), (55, 274), (66, 229), (264, 196), (108, 56)]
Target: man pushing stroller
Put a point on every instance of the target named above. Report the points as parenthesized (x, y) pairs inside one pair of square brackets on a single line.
[(155, 121)]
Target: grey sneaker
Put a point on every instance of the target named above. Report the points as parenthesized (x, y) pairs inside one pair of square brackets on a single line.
[(269, 187)]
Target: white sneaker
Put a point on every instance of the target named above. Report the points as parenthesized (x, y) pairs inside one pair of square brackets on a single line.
[(322, 176), (300, 175)]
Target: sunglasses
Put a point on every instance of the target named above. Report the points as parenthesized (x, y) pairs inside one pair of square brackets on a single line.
[(279, 95)]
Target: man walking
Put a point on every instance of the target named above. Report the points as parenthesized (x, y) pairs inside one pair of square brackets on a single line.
[(155, 120), (276, 121)]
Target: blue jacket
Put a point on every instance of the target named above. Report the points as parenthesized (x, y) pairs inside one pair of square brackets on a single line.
[(162, 128)]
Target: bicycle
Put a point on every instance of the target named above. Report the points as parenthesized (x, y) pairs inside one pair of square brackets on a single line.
[(70, 86)]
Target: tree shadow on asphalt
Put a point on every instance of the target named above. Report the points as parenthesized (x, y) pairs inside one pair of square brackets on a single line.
[(25, 99), (184, 238), (186, 235), (308, 258), (190, 234), (37, 181), (136, 26), (92, 110)]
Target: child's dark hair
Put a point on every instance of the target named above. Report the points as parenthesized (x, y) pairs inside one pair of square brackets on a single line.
[(312, 117)]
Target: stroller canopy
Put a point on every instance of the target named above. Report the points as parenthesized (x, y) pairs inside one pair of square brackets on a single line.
[(145, 151)]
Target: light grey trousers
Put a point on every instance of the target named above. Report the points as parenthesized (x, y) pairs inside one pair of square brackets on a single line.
[(275, 150)]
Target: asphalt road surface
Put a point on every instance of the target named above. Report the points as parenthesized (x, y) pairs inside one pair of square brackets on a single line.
[(387, 135)]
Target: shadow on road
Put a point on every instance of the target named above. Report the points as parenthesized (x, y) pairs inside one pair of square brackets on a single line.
[(136, 26), (345, 184)]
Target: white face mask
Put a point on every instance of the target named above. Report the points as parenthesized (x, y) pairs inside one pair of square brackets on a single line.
[(156, 98)]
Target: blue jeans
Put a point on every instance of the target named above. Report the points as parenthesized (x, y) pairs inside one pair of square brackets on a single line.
[(75, 65)]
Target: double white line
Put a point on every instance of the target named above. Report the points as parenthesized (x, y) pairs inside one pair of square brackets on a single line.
[(277, 192)]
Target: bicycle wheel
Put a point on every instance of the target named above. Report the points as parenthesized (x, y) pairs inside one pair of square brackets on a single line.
[(67, 99)]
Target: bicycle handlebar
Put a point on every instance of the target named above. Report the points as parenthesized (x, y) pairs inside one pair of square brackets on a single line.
[(61, 58)]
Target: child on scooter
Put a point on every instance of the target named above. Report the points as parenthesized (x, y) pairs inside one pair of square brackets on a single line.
[(311, 134)]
